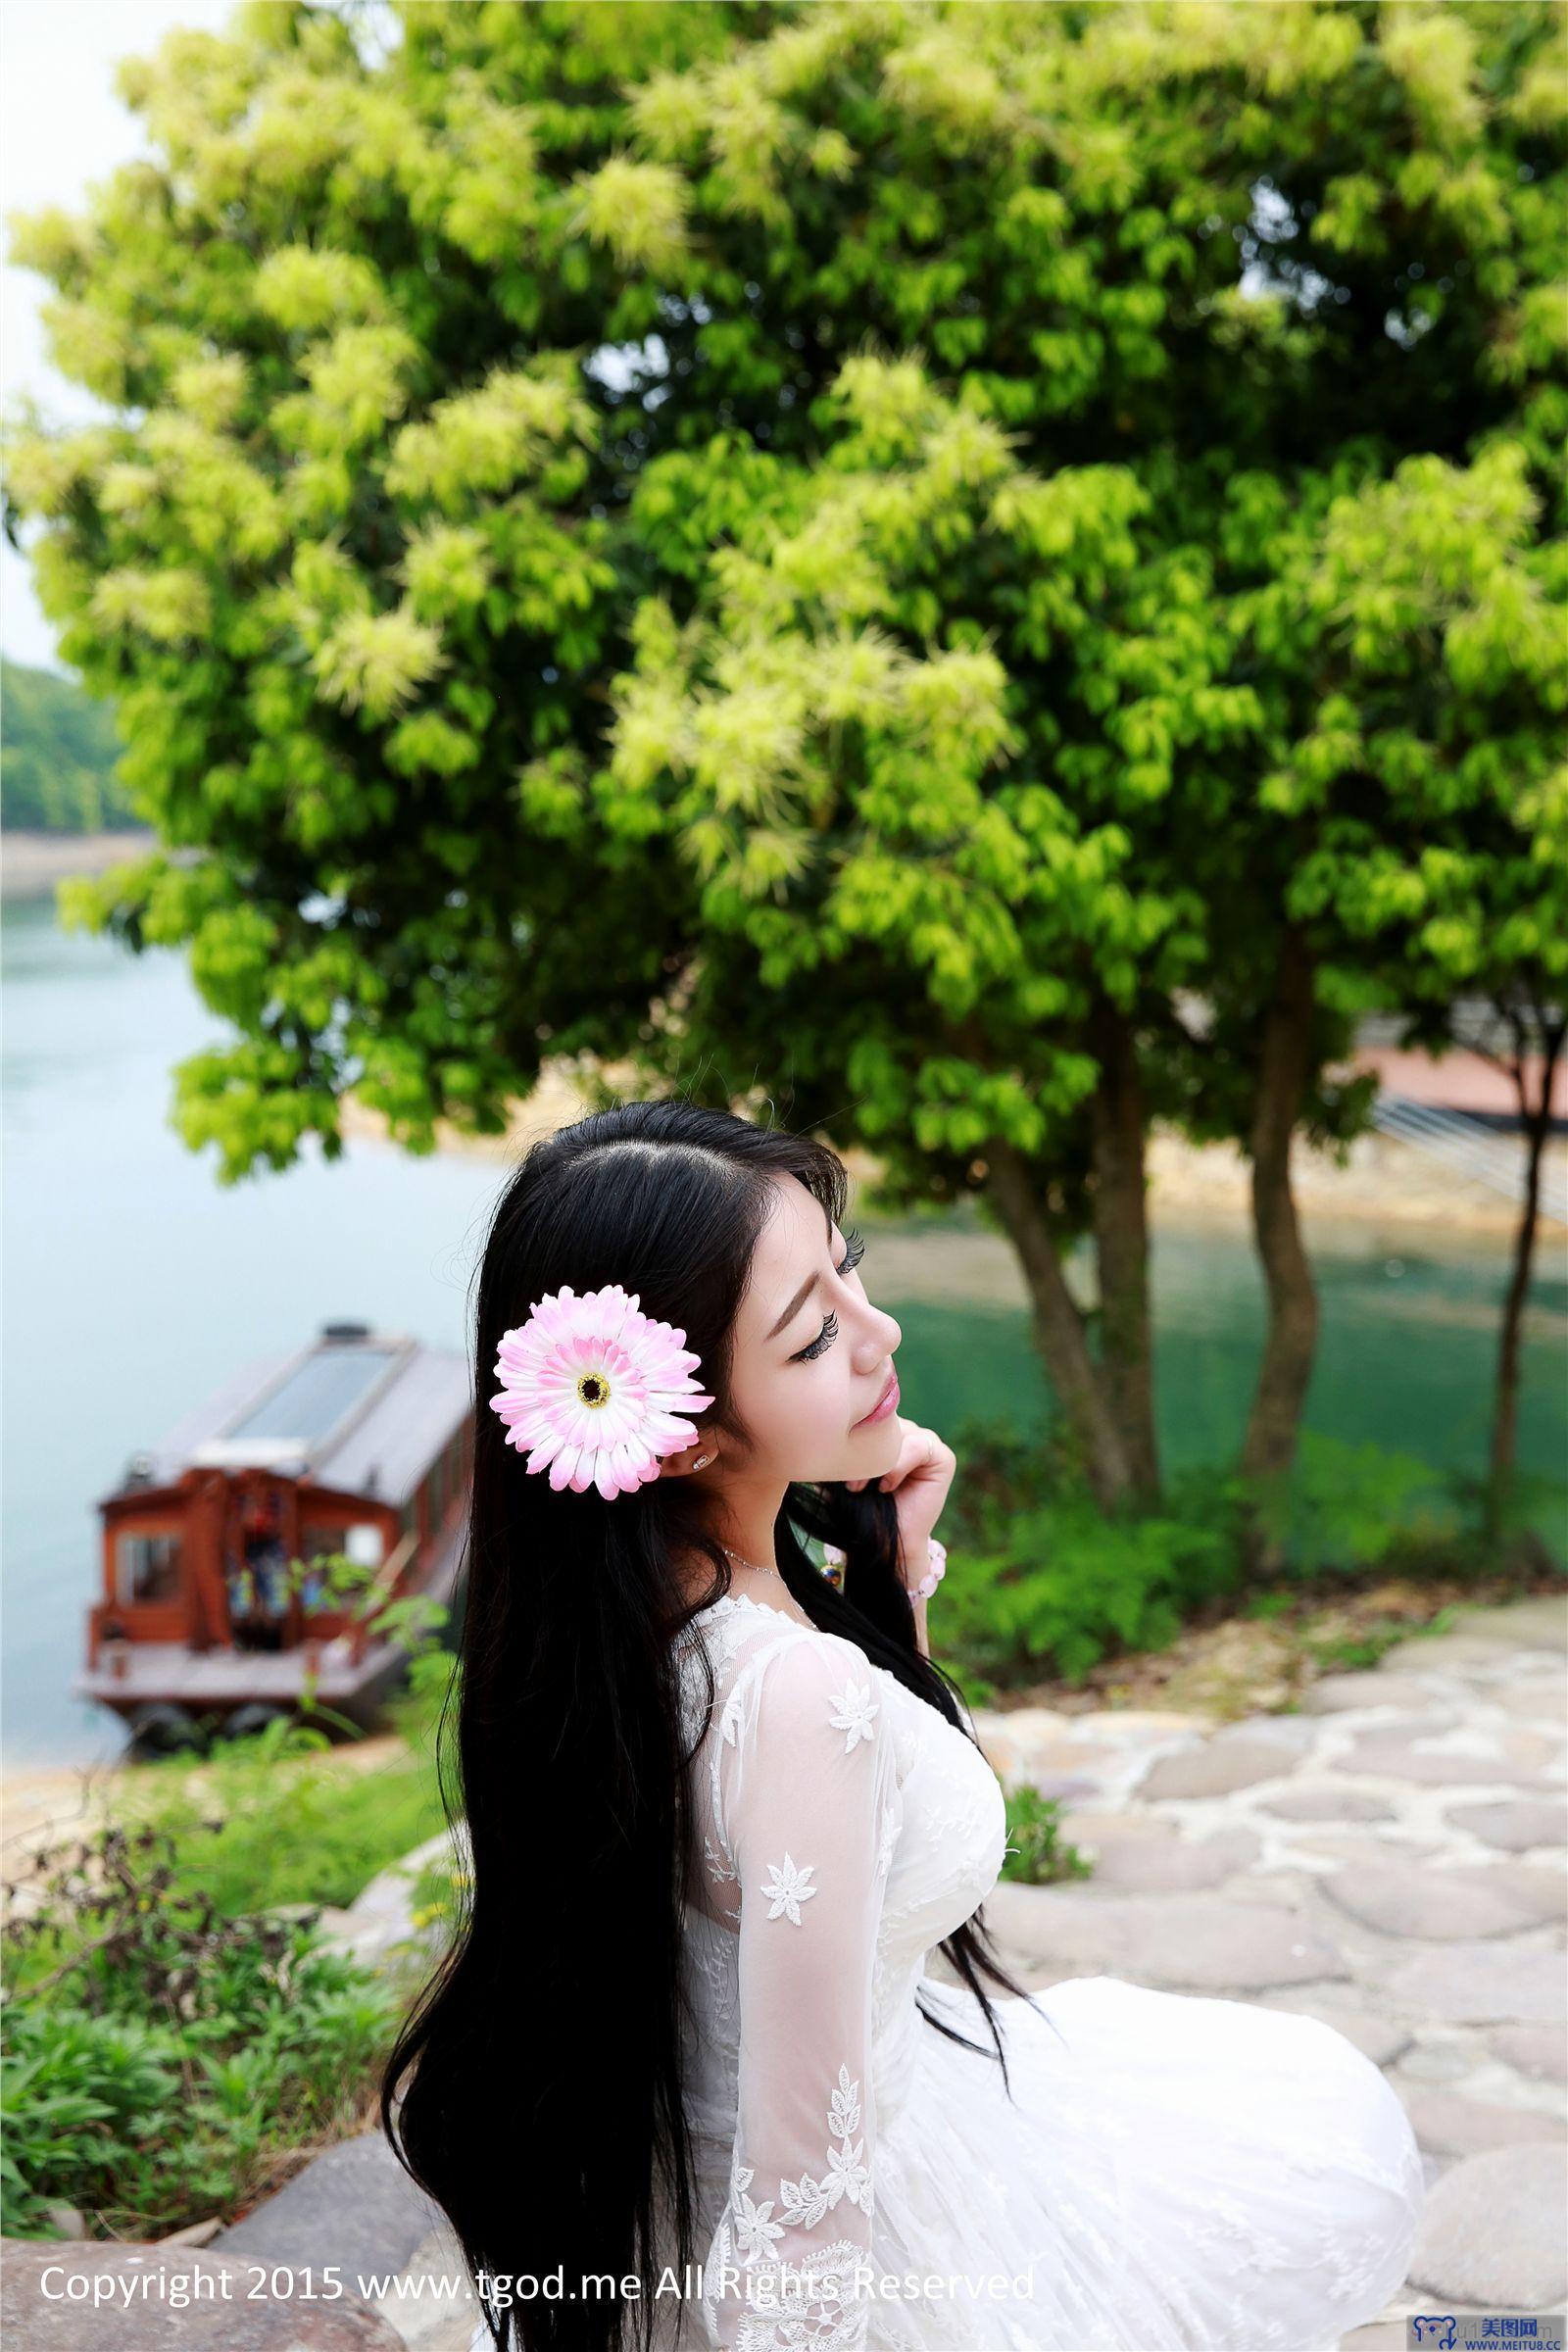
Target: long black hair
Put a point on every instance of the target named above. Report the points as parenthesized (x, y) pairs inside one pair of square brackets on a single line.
[(542, 2110)]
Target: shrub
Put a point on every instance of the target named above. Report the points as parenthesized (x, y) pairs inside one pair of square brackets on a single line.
[(277, 1819), (160, 2058), (1058, 1585), (1347, 1507), (1038, 1854)]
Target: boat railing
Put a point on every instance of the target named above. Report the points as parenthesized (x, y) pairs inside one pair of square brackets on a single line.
[(380, 1591)]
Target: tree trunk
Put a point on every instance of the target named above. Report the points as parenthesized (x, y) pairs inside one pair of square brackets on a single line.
[(1121, 1243), (1058, 1324), (1536, 1118), (1291, 1340)]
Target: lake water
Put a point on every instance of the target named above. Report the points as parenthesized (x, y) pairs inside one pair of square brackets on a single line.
[(133, 1284)]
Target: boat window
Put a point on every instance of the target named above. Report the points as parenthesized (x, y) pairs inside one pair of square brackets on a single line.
[(316, 1395), (147, 1567)]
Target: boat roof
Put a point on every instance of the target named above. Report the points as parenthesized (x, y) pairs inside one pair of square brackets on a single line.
[(359, 1409)]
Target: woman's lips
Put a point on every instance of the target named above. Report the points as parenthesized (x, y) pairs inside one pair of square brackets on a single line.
[(880, 1411)]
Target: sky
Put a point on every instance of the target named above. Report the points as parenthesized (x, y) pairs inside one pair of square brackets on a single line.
[(62, 127)]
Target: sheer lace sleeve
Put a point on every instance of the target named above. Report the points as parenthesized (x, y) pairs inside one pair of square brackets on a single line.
[(808, 1807)]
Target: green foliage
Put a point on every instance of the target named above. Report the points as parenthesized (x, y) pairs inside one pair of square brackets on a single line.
[(862, 558), (57, 757), (1528, 1524), (158, 2054), (1349, 1506), (913, 637), (1038, 1853), (1045, 1585), (1060, 1585), (438, 1892), (262, 1822), (415, 1623)]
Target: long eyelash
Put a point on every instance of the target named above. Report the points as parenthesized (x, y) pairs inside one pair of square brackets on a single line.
[(854, 1251)]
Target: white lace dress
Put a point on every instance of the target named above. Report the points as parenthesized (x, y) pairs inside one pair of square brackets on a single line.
[(1170, 2174)]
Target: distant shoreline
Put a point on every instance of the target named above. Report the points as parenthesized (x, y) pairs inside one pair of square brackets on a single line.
[(31, 862), (1384, 1181)]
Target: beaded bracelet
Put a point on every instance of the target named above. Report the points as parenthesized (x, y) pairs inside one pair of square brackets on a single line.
[(935, 1573), (834, 1565)]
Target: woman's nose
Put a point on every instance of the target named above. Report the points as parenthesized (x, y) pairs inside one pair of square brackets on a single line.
[(891, 1334)]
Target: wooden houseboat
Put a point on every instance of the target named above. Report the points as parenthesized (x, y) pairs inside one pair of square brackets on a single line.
[(360, 1443)]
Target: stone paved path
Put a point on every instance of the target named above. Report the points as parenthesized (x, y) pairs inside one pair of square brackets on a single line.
[(1390, 1858)]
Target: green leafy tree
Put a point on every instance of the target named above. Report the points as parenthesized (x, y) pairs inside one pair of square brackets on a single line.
[(776, 544), (1441, 833)]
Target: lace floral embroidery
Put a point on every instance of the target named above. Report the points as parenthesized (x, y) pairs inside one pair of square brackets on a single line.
[(789, 1888), (854, 1708), (805, 2201), (809, 2307), (721, 1872), (809, 2303), (890, 1828)]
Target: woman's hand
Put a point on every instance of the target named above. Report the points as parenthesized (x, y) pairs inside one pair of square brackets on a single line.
[(919, 1479)]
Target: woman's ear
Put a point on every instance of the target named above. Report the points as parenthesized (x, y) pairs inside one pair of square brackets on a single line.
[(698, 1456)]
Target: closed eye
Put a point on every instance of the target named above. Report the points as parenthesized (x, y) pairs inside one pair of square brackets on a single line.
[(854, 1251)]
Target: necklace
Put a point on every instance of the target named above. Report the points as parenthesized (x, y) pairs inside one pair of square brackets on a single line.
[(745, 1563)]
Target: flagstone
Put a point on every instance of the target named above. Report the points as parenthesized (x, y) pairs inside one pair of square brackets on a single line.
[(1329, 1801), (1446, 2056), (112, 2295), (1539, 2052), (1164, 1861), (1365, 1847), (1377, 2038), (1296, 1732), (1483, 1899), (1215, 1771), (1516, 1824), (1483, 1983), (1538, 1622), (1491, 2231), (1333, 1691), (1450, 2125), (1184, 1942), (1381, 1756), (1529, 1694), (1440, 1653)]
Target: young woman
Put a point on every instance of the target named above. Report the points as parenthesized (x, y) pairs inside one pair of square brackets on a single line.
[(683, 2078)]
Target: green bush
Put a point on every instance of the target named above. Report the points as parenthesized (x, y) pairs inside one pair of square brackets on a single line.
[(160, 2058), (1057, 1584), (1038, 1854), (262, 1822), (1347, 1508), (1046, 1584)]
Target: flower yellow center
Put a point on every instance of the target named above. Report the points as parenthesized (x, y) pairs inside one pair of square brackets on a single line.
[(593, 1389)]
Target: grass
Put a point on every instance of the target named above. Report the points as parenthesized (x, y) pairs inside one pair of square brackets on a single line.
[(301, 1822), (1038, 1853)]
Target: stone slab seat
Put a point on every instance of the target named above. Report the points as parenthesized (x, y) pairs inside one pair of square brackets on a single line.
[(48, 2285), (353, 2205)]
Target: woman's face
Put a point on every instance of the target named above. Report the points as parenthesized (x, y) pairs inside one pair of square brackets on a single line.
[(811, 1354)]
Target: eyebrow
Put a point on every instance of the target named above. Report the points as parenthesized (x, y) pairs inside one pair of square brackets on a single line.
[(803, 1293)]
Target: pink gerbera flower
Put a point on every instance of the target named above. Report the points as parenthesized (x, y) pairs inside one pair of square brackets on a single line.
[(591, 1388)]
